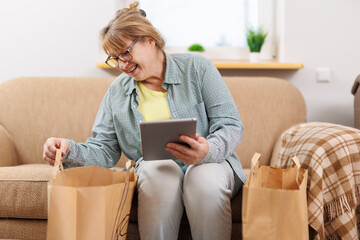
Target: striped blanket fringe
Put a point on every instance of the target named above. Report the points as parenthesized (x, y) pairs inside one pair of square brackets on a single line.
[(342, 204), (332, 237)]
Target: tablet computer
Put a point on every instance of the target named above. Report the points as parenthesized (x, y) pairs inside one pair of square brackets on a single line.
[(156, 134)]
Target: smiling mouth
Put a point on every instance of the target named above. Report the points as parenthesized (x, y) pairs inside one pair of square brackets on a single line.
[(133, 68)]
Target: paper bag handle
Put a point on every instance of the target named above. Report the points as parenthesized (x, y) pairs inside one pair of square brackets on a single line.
[(129, 164), (58, 163), (255, 164), (296, 161)]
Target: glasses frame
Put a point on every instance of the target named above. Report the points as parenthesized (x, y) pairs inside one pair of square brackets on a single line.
[(116, 59)]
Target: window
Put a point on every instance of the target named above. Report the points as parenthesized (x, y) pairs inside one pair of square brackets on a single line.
[(220, 26), (208, 22)]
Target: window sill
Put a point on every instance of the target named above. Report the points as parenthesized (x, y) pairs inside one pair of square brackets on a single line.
[(241, 65), (258, 65)]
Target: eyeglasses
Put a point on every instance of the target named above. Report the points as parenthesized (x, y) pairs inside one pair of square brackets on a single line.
[(124, 56)]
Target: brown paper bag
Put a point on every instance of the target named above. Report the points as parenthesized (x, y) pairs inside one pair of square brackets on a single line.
[(89, 202), (274, 202)]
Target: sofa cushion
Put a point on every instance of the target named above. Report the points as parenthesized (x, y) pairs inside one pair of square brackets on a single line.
[(29, 229), (236, 207), (24, 191)]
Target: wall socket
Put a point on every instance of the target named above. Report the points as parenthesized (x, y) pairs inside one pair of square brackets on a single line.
[(323, 75)]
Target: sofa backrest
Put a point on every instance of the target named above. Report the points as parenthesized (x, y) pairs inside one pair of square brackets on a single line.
[(35, 108), (267, 106)]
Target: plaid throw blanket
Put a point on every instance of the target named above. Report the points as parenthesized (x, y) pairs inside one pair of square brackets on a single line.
[(331, 153)]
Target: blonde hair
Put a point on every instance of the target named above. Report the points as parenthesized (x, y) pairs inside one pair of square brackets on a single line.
[(129, 23)]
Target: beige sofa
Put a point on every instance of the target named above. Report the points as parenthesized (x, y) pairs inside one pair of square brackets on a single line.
[(35, 108), (356, 92)]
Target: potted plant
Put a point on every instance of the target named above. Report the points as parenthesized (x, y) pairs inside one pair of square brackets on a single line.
[(196, 48), (255, 40)]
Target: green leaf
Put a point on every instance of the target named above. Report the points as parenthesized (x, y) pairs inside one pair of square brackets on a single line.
[(196, 48), (255, 39)]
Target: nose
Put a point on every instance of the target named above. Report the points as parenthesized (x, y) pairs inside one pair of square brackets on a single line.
[(122, 65)]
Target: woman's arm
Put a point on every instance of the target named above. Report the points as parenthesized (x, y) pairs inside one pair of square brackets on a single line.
[(102, 149), (225, 126)]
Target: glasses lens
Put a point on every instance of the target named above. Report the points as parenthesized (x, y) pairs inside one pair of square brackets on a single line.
[(125, 56), (112, 62)]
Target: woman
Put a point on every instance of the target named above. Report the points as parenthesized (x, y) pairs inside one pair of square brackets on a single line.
[(158, 86)]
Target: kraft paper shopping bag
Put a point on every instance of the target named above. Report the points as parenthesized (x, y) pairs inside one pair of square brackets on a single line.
[(274, 202), (89, 202)]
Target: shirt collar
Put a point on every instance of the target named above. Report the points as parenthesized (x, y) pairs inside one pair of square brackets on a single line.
[(170, 74), (171, 71), (131, 86)]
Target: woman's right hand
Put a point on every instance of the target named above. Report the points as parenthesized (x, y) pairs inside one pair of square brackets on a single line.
[(50, 147)]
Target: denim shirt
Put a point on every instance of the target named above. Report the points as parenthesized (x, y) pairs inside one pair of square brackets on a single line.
[(195, 89)]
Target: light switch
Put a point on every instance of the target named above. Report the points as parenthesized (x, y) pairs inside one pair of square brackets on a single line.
[(323, 74)]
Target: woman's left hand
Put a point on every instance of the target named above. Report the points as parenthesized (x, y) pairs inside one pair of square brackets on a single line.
[(192, 155)]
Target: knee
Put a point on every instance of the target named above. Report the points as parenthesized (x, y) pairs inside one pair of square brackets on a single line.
[(159, 191), (159, 178), (204, 188)]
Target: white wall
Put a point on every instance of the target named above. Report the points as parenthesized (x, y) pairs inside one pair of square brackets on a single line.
[(51, 37), (61, 38), (323, 33)]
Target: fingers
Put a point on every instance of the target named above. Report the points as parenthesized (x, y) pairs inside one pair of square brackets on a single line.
[(202, 140), (180, 155), (50, 161), (64, 146), (50, 147), (199, 148), (178, 148), (49, 154), (189, 140), (183, 158)]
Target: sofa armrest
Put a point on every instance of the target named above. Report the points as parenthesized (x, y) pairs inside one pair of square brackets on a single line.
[(6, 149)]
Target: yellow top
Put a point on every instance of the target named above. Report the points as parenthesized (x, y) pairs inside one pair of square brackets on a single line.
[(153, 104)]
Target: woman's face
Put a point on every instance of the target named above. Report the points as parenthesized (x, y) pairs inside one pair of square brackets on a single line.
[(141, 66)]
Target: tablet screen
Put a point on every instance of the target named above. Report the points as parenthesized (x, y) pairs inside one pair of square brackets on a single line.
[(156, 134)]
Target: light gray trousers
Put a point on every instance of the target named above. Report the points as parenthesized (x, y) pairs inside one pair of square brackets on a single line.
[(204, 190)]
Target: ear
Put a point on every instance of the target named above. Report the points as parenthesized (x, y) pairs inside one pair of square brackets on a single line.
[(151, 41)]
